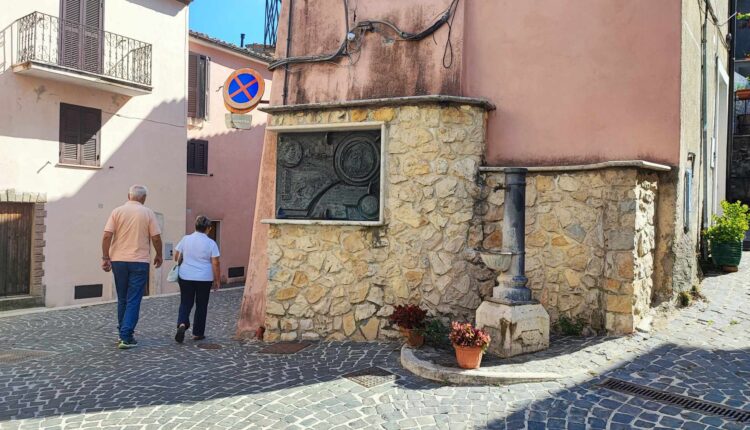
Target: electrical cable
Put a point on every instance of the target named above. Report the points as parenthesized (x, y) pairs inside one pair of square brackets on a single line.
[(446, 18)]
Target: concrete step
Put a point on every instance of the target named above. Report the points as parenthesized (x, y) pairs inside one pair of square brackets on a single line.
[(20, 302)]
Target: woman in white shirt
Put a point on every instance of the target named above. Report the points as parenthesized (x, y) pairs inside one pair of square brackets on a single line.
[(198, 257)]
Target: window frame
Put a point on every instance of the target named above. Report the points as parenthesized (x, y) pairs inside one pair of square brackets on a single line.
[(64, 131), (201, 87), (196, 170)]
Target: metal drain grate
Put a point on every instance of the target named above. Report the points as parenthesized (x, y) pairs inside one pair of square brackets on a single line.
[(371, 377), (209, 346), (285, 347), (17, 355), (677, 400)]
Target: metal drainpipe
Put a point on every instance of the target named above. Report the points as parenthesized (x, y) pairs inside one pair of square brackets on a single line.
[(288, 53), (513, 287), (704, 130)]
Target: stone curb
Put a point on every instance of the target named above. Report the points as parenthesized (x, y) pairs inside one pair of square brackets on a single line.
[(481, 376), (43, 309)]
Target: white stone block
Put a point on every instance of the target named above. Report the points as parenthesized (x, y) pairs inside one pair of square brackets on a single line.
[(514, 329)]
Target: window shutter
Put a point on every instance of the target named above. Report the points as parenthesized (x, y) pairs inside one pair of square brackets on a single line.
[(70, 120), (92, 35), (70, 43), (91, 121), (192, 85), (202, 160), (207, 85), (201, 86), (197, 156), (191, 156)]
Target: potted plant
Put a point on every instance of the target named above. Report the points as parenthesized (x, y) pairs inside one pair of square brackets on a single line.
[(742, 19), (470, 344), (742, 92), (726, 235), (410, 322)]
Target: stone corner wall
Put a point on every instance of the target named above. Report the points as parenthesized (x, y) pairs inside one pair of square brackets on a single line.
[(341, 282), (590, 239)]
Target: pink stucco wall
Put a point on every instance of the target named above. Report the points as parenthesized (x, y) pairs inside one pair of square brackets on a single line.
[(573, 80), (228, 192), (576, 80)]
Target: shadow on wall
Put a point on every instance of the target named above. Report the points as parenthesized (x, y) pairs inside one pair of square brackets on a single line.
[(152, 153)]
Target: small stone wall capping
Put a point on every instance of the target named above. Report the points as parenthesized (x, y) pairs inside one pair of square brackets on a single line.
[(579, 167), (323, 222), (380, 102)]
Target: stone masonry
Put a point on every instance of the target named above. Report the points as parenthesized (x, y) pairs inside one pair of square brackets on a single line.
[(339, 282), (590, 240)]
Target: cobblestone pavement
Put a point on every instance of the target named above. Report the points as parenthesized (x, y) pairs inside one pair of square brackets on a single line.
[(86, 382)]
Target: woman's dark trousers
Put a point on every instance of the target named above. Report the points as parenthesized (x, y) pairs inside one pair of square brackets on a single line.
[(194, 292)]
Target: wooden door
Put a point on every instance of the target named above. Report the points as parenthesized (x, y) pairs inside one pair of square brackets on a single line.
[(16, 221)]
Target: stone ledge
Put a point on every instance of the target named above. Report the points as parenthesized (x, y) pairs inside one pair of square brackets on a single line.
[(493, 375), (391, 101), (640, 164)]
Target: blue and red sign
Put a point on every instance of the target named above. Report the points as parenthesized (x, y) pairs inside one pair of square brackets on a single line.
[(243, 90)]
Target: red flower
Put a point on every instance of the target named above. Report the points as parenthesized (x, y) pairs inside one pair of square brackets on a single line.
[(464, 334), (408, 317)]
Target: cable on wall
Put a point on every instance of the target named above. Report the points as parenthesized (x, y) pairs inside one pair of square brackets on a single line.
[(355, 35)]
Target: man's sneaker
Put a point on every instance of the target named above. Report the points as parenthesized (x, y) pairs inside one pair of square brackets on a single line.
[(180, 336), (127, 344), (135, 342)]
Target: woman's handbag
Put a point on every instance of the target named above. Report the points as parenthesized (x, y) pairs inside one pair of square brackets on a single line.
[(174, 273)]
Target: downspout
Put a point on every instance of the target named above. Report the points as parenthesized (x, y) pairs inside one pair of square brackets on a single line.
[(730, 99), (704, 131), (285, 94)]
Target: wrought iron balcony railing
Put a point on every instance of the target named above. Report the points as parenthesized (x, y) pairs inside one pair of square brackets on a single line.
[(47, 39)]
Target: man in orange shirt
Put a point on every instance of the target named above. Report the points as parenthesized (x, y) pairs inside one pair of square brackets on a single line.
[(125, 251)]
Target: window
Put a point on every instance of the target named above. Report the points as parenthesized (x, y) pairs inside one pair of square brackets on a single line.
[(82, 40), (197, 156), (80, 135), (197, 86)]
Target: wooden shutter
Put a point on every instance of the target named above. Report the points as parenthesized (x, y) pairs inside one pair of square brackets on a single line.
[(91, 122), (80, 140), (70, 134), (197, 157), (70, 40), (93, 36), (192, 85), (202, 87), (197, 85)]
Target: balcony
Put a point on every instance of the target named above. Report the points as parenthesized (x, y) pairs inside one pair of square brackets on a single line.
[(68, 51)]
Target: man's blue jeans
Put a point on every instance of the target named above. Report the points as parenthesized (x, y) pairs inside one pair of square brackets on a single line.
[(130, 282)]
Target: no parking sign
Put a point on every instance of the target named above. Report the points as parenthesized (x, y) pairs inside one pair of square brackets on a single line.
[(243, 90)]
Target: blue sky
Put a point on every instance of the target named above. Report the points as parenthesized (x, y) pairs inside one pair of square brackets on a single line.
[(226, 19)]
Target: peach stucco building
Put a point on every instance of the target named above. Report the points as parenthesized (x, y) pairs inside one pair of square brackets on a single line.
[(617, 109), (91, 104), (223, 160)]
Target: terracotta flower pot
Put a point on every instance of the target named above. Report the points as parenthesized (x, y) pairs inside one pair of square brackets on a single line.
[(743, 94), (414, 338), (468, 357)]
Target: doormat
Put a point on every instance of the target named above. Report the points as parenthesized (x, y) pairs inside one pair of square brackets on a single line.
[(285, 347), (10, 356), (371, 377)]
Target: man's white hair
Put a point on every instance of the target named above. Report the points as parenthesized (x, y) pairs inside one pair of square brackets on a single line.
[(137, 192)]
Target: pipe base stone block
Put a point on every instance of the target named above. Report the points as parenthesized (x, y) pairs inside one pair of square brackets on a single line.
[(514, 329)]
